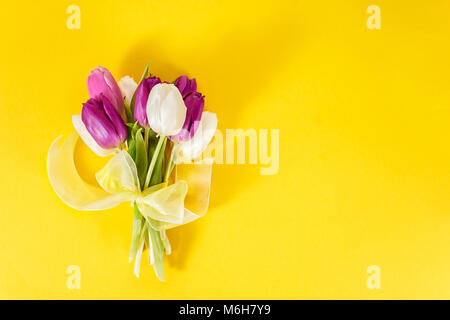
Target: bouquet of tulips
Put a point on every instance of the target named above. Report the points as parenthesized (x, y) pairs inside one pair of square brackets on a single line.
[(155, 132)]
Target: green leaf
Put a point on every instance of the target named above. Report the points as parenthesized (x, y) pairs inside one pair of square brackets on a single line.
[(135, 236), (135, 129), (158, 175), (141, 157), (152, 142), (152, 135), (144, 74), (132, 102), (128, 110), (132, 129), (132, 149)]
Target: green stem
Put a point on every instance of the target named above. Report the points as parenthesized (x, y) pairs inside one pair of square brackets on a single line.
[(137, 261), (154, 157), (138, 220), (146, 134), (170, 167)]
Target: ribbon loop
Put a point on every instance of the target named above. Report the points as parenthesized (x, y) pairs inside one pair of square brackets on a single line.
[(119, 174)]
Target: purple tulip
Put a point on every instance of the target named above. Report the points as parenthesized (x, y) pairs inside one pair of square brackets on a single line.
[(194, 107), (103, 122), (185, 85), (100, 81), (140, 102)]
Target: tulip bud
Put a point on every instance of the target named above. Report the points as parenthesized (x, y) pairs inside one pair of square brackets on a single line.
[(166, 111), (194, 107), (100, 81), (140, 102), (103, 122), (185, 85)]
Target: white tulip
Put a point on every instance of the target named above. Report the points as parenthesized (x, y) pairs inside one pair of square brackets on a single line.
[(166, 110), (127, 87), (192, 149)]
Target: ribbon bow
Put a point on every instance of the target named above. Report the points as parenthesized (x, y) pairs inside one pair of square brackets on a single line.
[(164, 206)]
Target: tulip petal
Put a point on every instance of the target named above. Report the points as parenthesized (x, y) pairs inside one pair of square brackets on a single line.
[(166, 111), (140, 103), (116, 120), (127, 86), (100, 81), (185, 85), (116, 94), (88, 139), (192, 149), (98, 124), (194, 104), (68, 184)]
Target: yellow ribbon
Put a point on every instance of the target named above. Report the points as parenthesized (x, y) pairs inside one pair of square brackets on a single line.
[(164, 206)]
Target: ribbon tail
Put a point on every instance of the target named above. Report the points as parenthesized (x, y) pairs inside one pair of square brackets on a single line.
[(198, 178)]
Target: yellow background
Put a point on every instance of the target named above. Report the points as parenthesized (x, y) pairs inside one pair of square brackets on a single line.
[(364, 173)]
